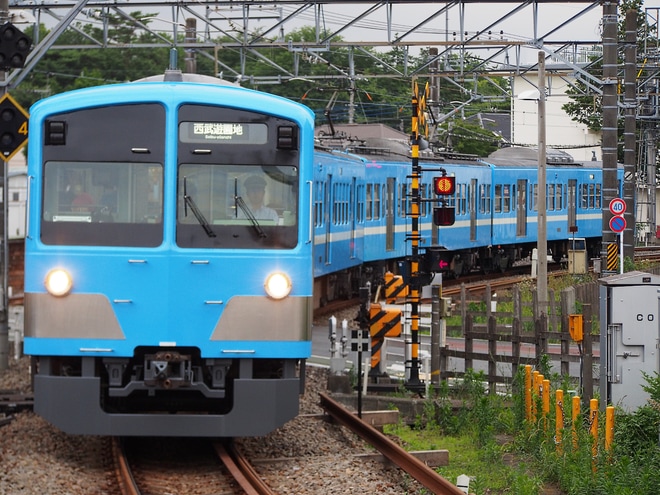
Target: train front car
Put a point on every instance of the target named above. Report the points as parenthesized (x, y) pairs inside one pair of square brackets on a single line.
[(168, 264)]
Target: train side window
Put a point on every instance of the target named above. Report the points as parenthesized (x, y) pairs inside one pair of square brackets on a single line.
[(551, 197), (360, 203), (318, 203), (498, 198), (559, 204), (534, 197), (506, 198), (370, 201), (598, 197), (377, 202)]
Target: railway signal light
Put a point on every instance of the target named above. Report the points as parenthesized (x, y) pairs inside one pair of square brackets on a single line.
[(438, 260), (444, 185), (13, 127), (444, 216), (14, 47)]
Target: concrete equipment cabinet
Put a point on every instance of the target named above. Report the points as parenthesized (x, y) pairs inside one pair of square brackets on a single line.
[(629, 336)]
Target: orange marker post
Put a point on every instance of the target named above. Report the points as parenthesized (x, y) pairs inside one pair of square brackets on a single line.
[(575, 415), (545, 394), (559, 419), (528, 393)]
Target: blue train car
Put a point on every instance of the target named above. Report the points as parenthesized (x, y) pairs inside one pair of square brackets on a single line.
[(338, 216), (573, 202), (168, 263), (365, 230)]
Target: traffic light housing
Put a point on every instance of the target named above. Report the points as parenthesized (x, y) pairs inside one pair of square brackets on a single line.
[(13, 127), (444, 185), (14, 47), (444, 216), (438, 260)]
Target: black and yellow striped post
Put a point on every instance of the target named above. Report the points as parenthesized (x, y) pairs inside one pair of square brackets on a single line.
[(613, 257), (418, 121), (382, 323)]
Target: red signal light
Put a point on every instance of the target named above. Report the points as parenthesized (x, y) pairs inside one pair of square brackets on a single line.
[(445, 185), (444, 216)]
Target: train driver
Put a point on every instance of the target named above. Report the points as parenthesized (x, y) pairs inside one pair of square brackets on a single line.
[(255, 190)]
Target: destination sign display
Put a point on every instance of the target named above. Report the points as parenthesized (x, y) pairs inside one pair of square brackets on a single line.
[(223, 133)]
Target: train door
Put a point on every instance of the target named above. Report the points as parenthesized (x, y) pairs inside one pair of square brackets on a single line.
[(473, 209), (389, 214), (571, 205), (327, 220), (521, 210)]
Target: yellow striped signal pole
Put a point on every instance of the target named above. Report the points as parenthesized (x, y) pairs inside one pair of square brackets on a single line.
[(418, 122)]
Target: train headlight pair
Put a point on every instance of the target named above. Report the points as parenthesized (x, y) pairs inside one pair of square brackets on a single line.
[(278, 285), (58, 282)]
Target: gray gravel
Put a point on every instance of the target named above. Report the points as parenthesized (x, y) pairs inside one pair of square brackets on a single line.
[(307, 456)]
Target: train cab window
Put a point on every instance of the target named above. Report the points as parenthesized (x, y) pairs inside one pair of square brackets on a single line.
[(102, 204), (237, 206)]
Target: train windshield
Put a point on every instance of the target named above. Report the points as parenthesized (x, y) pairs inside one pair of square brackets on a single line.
[(237, 206), (102, 204)]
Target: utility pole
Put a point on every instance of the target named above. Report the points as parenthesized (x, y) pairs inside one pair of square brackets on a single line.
[(609, 146), (629, 137), (4, 256), (542, 243)]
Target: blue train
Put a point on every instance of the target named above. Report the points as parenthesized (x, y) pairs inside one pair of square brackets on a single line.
[(362, 205), (168, 259), (181, 233)]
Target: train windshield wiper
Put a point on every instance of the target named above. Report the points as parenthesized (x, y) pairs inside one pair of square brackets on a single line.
[(248, 213), (189, 202)]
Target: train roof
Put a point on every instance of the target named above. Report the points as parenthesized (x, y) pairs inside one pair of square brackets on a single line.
[(515, 156), (379, 142)]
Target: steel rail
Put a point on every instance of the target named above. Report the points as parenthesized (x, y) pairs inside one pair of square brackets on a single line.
[(125, 478), (241, 470), (410, 464)]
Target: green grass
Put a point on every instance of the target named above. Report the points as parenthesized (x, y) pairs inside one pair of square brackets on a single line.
[(488, 472)]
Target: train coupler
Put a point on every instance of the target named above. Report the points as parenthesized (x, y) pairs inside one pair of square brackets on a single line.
[(168, 369)]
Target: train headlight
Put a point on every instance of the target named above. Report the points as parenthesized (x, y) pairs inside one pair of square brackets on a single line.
[(58, 282), (278, 285)]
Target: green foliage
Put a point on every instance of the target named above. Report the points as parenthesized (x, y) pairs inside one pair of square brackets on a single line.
[(534, 455), (463, 136), (75, 61)]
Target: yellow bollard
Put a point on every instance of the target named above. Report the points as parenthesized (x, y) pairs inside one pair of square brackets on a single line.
[(609, 427), (536, 395), (559, 418), (575, 414), (545, 394), (593, 428), (528, 393)]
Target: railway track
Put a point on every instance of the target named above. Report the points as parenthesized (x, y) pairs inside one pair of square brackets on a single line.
[(410, 464), (12, 402), (164, 465)]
